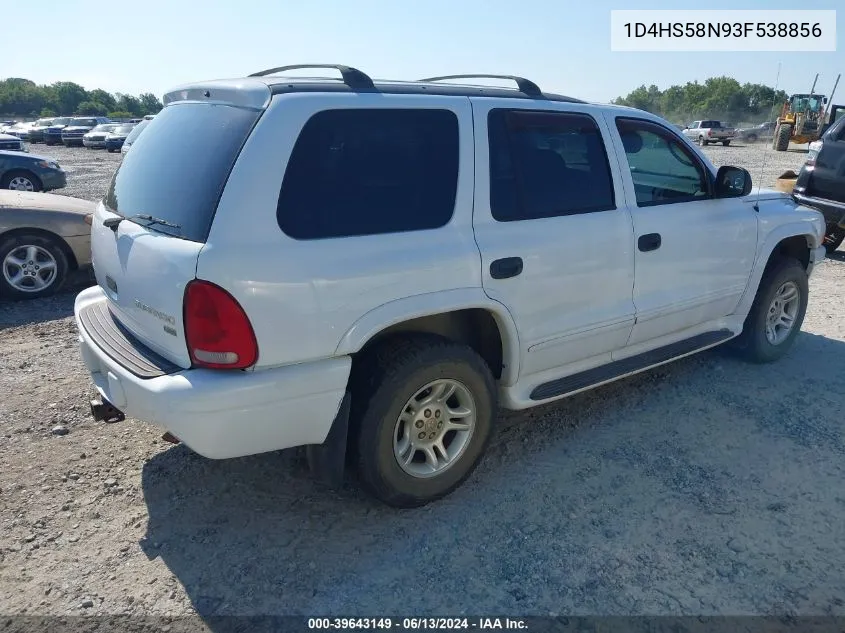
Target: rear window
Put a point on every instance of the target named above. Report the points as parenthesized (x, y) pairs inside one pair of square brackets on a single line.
[(178, 167), (370, 172)]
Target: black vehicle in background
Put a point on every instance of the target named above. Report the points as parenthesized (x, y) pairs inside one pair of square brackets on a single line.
[(821, 183)]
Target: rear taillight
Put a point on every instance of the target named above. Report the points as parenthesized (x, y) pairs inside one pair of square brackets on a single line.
[(217, 330)]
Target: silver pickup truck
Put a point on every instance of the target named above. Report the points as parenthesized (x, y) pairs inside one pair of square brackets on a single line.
[(709, 131)]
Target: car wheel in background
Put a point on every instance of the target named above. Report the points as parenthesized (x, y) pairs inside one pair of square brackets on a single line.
[(20, 181), (701, 141), (751, 138), (33, 266), (726, 143)]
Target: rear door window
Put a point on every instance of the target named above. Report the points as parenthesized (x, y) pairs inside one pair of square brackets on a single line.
[(178, 167), (369, 172), (546, 164)]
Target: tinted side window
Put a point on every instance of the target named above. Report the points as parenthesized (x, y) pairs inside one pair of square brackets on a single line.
[(367, 172), (546, 164), (663, 169)]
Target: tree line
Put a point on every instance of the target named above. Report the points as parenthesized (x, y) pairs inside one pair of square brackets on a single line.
[(721, 98), (25, 98)]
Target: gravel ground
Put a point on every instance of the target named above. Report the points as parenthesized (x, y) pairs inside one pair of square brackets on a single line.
[(707, 486)]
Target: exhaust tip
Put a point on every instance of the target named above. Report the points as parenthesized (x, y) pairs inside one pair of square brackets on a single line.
[(169, 437)]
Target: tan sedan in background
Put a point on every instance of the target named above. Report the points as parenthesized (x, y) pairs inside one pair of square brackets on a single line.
[(43, 237)]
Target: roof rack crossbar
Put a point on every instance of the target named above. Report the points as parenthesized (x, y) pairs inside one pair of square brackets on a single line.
[(526, 86), (352, 77)]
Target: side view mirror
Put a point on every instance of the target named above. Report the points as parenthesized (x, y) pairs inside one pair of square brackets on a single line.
[(732, 182)]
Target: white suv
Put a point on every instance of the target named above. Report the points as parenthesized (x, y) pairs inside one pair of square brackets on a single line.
[(372, 268)]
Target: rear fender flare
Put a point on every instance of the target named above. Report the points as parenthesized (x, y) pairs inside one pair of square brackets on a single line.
[(405, 309)]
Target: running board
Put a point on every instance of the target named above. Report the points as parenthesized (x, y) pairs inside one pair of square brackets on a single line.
[(616, 369)]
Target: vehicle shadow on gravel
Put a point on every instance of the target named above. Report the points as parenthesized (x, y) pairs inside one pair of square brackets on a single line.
[(708, 474), (59, 306)]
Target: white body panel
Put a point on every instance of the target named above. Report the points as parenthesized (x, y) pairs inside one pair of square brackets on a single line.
[(573, 297), (302, 296), (144, 274)]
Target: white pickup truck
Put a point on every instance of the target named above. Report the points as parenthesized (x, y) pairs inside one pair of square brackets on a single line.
[(709, 131)]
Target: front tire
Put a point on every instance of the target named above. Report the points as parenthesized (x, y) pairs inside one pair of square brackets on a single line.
[(33, 266), (782, 136), (422, 412), (21, 180), (777, 313)]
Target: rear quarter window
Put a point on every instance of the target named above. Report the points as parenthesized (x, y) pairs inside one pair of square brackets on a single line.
[(367, 172), (178, 167)]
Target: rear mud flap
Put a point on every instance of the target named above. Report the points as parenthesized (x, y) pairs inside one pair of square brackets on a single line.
[(327, 461)]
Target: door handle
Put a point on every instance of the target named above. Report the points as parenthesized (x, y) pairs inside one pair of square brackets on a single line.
[(649, 242), (506, 267)]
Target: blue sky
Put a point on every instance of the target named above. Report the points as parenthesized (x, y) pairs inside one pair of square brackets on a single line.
[(563, 45)]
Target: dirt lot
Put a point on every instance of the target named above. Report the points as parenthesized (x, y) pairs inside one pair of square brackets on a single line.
[(703, 487)]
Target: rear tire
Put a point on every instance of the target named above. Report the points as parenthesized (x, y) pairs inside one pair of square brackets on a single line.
[(755, 343), (782, 136), (702, 142), (16, 253), (393, 379), (726, 143), (751, 138)]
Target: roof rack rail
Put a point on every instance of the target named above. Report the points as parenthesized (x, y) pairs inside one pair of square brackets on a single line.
[(352, 77), (526, 86)]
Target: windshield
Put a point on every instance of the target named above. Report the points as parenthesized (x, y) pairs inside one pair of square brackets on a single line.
[(84, 122), (177, 169), (123, 129), (42, 122), (104, 127), (61, 121)]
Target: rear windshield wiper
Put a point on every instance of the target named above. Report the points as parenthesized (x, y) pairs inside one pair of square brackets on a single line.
[(112, 223)]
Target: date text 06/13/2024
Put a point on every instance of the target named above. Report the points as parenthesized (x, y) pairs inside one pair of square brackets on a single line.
[(416, 624)]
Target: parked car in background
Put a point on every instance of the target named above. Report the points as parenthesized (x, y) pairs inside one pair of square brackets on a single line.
[(42, 238), (149, 117), (763, 132), (53, 133), (11, 143), (130, 138), (821, 182), (21, 130), (4, 125), (709, 131), (78, 127), (36, 132), (30, 172), (115, 138), (96, 138)]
